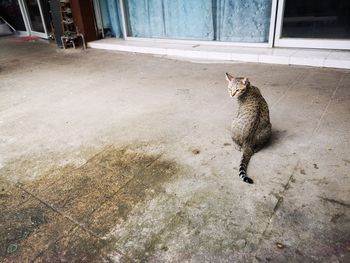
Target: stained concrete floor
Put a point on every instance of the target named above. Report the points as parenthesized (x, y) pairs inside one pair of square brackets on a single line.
[(112, 157)]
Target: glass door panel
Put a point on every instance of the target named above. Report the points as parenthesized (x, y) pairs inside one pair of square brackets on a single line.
[(181, 19), (314, 23), (242, 20), (11, 12), (35, 19), (221, 20), (317, 19), (34, 16)]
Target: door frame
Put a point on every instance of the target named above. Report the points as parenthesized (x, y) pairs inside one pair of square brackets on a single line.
[(25, 15), (304, 42)]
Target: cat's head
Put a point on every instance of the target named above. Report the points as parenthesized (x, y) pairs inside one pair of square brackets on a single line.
[(237, 86)]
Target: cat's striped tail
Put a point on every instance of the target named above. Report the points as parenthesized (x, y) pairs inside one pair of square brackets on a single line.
[(247, 153)]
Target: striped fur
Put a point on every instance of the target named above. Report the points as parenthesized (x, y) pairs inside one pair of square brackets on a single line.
[(243, 168)]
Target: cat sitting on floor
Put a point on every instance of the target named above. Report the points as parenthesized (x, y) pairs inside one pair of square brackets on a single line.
[(251, 129)]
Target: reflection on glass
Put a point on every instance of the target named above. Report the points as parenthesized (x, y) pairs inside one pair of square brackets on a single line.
[(316, 19), (34, 16)]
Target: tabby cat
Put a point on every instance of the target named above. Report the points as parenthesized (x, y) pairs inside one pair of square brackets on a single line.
[(251, 129)]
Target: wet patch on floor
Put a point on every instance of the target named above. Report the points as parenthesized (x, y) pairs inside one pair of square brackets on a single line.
[(66, 214)]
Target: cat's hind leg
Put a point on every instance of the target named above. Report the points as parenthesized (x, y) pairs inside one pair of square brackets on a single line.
[(262, 138), (236, 137), (238, 147)]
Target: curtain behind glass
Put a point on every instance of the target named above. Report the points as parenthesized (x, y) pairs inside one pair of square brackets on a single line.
[(191, 19), (222, 20), (110, 16), (243, 20), (146, 18), (179, 19)]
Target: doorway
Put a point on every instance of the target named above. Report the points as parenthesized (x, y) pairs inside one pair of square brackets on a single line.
[(313, 24)]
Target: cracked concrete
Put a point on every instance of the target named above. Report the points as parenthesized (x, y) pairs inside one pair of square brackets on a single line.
[(118, 157)]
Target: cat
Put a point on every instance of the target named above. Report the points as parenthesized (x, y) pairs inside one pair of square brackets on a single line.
[(251, 129)]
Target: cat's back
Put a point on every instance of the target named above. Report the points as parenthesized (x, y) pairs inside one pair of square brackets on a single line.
[(251, 99), (254, 103), (258, 97), (263, 106)]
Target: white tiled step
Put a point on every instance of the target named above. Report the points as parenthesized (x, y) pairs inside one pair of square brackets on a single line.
[(288, 56)]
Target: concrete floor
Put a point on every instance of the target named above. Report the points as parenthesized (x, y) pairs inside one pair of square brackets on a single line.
[(112, 157)]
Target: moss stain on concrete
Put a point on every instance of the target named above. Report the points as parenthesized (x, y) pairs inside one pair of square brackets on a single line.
[(65, 214)]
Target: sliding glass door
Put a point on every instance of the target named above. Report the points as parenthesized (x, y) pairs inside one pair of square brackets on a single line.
[(10, 10), (220, 20), (313, 24), (34, 18)]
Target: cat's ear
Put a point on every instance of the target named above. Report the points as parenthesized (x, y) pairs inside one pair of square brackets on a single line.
[(245, 81), (229, 77)]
